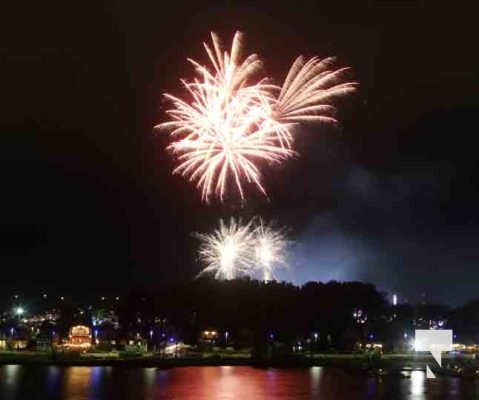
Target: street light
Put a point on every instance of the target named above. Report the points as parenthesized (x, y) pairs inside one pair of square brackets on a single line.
[(313, 348), (270, 343), (19, 311), (151, 340)]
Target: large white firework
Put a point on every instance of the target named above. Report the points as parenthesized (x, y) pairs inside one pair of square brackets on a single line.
[(234, 121)]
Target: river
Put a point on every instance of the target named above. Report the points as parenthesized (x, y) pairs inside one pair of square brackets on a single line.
[(225, 383)]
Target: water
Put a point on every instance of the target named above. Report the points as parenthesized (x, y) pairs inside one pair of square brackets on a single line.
[(225, 383)]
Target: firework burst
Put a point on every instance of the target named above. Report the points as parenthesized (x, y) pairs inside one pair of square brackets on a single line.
[(236, 249), (235, 120), (270, 250), (228, 251)]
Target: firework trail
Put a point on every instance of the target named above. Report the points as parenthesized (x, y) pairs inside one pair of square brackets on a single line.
[(235, 120)]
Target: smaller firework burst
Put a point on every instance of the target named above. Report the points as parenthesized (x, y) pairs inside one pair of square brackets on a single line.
[(270, 249), (235, 249), (228, 251)]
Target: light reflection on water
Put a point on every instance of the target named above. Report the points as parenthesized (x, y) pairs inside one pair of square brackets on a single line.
[(316, 375), (223, 383), (9, 378), (417, 383), (54, 380), (77, 382)]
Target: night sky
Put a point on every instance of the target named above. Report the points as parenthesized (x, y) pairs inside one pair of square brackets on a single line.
[(88, 201)]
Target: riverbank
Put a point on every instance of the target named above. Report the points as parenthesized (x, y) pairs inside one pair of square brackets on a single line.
[(387, 361)]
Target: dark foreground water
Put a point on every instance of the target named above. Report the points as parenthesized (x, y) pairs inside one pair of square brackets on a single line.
[(198, 383)]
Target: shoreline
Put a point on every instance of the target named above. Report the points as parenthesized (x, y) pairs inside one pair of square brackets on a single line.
[(393, 362)]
